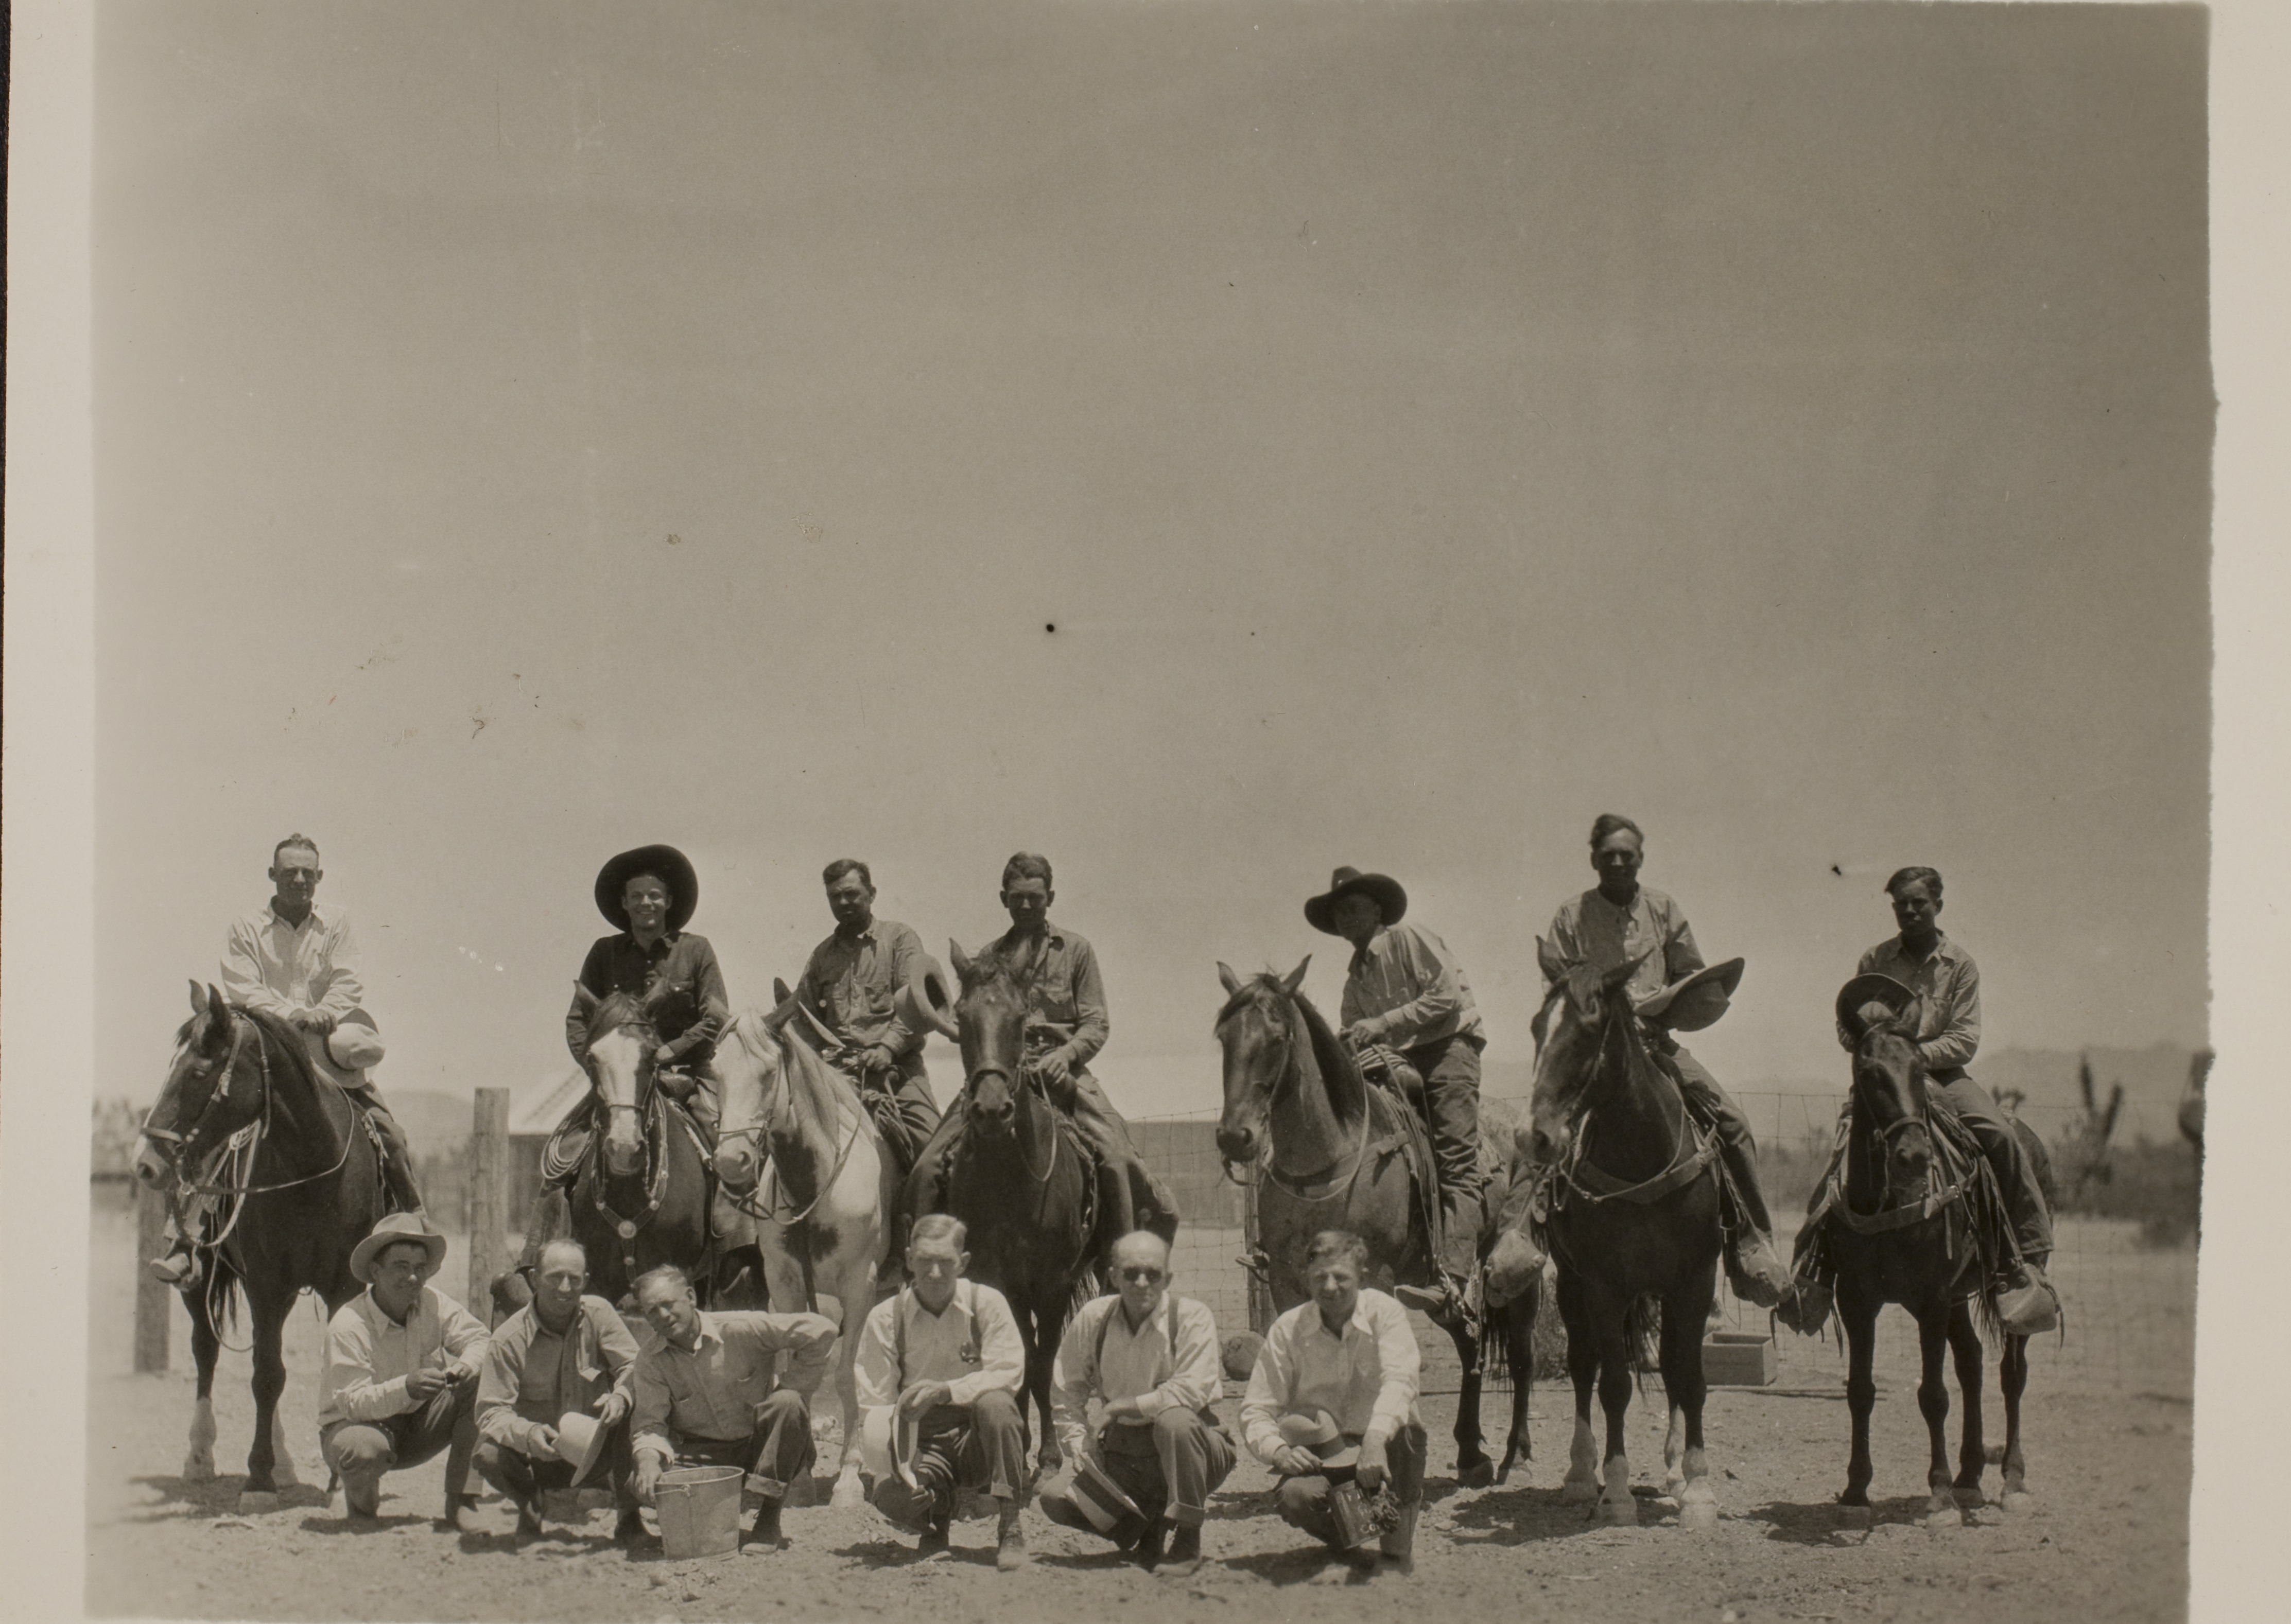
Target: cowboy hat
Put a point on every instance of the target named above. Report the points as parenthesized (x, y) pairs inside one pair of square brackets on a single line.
[(1104, 1505), (1318, 1433), (354, 1044), (581, 1441), (1391, 900), (1696, 1002), (1862, 991), (924, 1004), (394, 1229), (671, 866)]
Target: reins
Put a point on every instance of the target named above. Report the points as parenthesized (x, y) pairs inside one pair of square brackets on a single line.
[(260, 1127)]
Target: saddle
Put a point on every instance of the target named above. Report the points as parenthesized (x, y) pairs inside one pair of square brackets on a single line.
[(1388, 1072)]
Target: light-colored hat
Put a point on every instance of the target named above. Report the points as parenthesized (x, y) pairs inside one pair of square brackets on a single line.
[(354, 1044), (1857, 995), (1319, 1433), (398, 1227), (1696, 1002), (581, 1441)]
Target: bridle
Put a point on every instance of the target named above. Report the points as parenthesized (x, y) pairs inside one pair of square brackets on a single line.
[(226, 1069), (1286, 1079), (1892, 1213)]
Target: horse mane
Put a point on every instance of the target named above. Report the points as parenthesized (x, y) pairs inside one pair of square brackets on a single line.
[(808, 1085), (1339, 1073), (286, 1038), (616, 1010)]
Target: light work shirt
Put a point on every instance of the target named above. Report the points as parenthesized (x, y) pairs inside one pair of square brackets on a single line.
[(532, 1375), (711, 1390), (1065, 997), (1589, 930), (1948, 982), (1406, 988), (369, 1356), (1135, 1365), (1367, 1378), (853, 983), (283, 970)]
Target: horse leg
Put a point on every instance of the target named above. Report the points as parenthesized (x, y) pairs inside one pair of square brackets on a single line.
[(261, 1493), (1047, 1330), (1582, 1481), (199, 1465), (858, 1291), (1617, 1505), (2013, 1379), (1933, 1404), (1972, 1454), (1515, 1322), (1859, 1318), (1688, 1475), (1473, 1469)]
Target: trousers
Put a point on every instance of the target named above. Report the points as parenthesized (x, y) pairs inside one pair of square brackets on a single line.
[(774, 1455), (1169, 1467), (1303, 1501), (983, 1446), (905, 1115), (2032, 1222), (1736, 1145), (521, 1476), (1450, 1067), (360, 1452)]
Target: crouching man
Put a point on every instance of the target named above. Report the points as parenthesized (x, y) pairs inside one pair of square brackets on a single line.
[(705, 1394), (940, 1368), (402, 1362), (1151, 1358), (556, 1394), (1332, 1403)]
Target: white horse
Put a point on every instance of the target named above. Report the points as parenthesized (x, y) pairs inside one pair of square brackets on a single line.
[(822, 1199)]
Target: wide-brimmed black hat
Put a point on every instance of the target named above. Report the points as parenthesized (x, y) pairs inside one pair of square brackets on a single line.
[(1870, 989), (1391, 900), (670, 865)]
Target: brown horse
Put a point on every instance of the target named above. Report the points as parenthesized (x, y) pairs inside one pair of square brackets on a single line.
[(1635, 1226), (1921, 1226), (1297, 1106), (305, 1187)]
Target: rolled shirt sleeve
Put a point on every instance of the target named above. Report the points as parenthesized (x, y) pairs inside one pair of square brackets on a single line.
[(1073, 1377), (1269, 1385), (1959, 1038), (808, 1339), (350, 1371), (1401, 1367), (648, 1421), (242, 972), (344, 992), (1001, 1354), (619, 1349), (465, 1336), (1092, 1026), (905, 950), (1681, 957), (1439, 1004)]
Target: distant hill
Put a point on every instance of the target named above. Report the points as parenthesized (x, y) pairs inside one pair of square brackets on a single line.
[(2154, 1079)]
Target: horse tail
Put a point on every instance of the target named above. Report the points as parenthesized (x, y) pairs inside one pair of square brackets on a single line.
[(1643, 1335), (221, 1290)]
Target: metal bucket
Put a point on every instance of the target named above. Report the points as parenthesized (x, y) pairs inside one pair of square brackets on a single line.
[(699, 1510)]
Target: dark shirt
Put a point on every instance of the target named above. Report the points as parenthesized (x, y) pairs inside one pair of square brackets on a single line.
[(851, 984), (690, 1012)]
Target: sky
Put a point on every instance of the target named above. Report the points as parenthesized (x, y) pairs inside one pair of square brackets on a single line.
[(1204, 444)]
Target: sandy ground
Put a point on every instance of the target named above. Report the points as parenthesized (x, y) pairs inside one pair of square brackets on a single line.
[(2109, 1442)]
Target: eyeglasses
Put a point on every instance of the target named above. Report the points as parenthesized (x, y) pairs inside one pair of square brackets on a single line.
[(1142, 1272)]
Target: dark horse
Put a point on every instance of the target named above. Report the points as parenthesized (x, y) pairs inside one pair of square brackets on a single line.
[(1019, 1181), (303, 1190), (1919, 1226), (1634, 1224), (1295, 1101), (642, 1195)]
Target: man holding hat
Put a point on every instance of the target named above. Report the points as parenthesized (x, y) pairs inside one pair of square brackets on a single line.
[(1151, 1359), (852, 982), (1405, 999), (708, 1392), (401, 1376), (1621, 920), (297, 960), (1333, 1401), (555, 1396)]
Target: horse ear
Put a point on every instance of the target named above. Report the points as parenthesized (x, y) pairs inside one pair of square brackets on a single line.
[(1547, 961), (199, 998), (1224, 974), (583, 1000), (958, 958), (780, 994), (216, 1038), (1296, 978)]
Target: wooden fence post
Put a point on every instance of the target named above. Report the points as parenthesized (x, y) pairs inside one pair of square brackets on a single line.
[(152, 1307), (488, 1188), (1260, 1296)]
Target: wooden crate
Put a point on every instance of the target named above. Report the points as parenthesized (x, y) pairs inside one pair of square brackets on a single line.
[(1739, 1359)]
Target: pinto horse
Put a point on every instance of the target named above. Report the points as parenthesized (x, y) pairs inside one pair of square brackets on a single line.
[(1922, 1228), (1297, 1106), (303, 1190), (1020, 1180), (822, 1201), (642, 1195), (1635, 1226)]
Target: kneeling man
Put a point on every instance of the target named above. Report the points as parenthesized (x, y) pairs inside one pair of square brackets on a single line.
[(564, 1353), (1152, 1359), (402, 1361), (706, 1395), (940, 1371), (1340, 1371)]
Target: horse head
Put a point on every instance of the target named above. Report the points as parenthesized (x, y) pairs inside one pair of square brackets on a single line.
[(749, 1062), (1580, 1006), (207, 1097), (623, 1049), (1889, 1096), (989, 1020), (1258, 1043)]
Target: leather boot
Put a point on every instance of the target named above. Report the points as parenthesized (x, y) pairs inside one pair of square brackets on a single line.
[(1398, 1545), (2027, 1305), (1010, 1552), (1756, 1271), (1185, 1558)]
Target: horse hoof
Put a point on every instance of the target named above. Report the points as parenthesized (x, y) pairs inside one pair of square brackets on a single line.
[(850, 1494), (1622, 1512), (1853, 1516), (1479, 1475), (198, 1468), (1969, 1497), (1576, 1492), (1941, 1515), (2016, 1501), (1697, 1515), (255, 1502)]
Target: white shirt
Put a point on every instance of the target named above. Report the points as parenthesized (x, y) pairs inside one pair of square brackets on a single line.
[(1135, 1364), (369, 1356), (1367, 1378), (973, 1347), (280, 969)]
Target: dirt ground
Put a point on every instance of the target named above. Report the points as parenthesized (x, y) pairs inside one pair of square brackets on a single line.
[(2109, 1442)]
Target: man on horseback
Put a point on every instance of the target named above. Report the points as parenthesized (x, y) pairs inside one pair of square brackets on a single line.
[(1946, 986), (851, 984), (1618, 921), (1066, 1025), (1408, 1015), (294, 959)]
